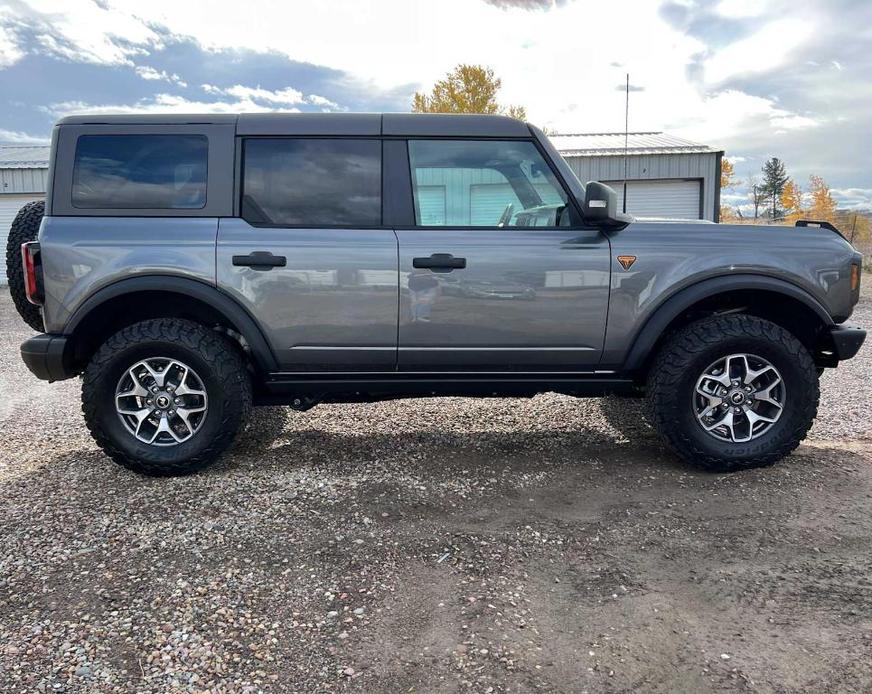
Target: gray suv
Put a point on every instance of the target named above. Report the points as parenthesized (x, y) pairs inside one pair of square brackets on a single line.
[(188, 267)]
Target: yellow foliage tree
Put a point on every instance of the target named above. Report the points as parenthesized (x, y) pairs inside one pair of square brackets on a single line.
[(727, 173), (823, 207), (466, 89), (791, 202), (727, 182)]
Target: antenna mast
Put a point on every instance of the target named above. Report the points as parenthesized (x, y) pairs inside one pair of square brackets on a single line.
[(626, 139)]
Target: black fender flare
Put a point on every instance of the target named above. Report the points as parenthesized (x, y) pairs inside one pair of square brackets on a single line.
[(674, 305), (227, 306)]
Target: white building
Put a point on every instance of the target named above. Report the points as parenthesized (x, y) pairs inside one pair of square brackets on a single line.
[(667, 176), (23, 177)]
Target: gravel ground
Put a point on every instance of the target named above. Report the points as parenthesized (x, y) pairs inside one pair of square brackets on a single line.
[(449, 545)]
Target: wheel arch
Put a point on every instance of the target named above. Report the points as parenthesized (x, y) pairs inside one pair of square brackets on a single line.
[(140, 298), (772, 298)]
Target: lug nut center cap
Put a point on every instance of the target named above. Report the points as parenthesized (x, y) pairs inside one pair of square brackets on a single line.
[(162, 401), (737, 398)]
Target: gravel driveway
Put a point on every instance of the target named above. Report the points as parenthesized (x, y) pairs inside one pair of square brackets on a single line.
[(434, 545)]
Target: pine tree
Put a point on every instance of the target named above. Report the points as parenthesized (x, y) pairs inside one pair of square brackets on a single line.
[(774, 179)]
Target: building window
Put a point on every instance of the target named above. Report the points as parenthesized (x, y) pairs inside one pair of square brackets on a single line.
[(312, 182), (140, 172), (468, 183)]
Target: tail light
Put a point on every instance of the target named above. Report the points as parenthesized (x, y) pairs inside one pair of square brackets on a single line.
[(30, 264), (855, 277)]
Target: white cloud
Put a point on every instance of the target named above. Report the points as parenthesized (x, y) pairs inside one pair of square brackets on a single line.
[(853, 198), (18, 137), (161, 103), (10, 52), (732, 114), (285, 97), (766, 49), (288, 96), (740, 8), (150, 73), (323, 102), (90, 31)]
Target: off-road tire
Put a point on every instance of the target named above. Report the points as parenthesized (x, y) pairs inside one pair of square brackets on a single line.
[(678, 365), (25, 227), (216, 360)]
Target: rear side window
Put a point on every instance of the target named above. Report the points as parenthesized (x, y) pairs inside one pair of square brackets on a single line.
[(161, 172), (312, 182)]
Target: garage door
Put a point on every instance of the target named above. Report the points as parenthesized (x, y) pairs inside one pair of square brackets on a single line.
[(671, 199), (431, 201), (487, 201), (9, 206)]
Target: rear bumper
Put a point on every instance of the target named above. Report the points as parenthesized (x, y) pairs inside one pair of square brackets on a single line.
[(48, 357), (847, 340)]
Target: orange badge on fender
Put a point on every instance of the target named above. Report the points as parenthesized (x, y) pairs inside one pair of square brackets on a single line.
[(626, 260)]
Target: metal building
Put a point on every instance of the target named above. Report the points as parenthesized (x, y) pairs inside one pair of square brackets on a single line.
[(667, 176), (23, 177)]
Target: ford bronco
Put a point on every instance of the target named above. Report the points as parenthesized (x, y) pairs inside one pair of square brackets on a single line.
[(188, 267)]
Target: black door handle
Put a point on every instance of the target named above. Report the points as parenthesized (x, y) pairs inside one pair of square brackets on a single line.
[(439, 262), (260, 260)]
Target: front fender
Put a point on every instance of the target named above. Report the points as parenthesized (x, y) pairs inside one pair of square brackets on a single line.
[(646, 336)]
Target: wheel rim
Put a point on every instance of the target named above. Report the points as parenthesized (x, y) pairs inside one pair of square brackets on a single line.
[(739, 398), (161, 401)]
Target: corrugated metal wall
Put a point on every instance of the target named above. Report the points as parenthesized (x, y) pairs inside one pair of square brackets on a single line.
[(653, 166), (14, 181)]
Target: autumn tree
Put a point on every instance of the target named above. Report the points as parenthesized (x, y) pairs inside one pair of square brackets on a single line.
[(823, 207), (727, 182), (791, 201), (466, 89), (774, 179), (727, 173)]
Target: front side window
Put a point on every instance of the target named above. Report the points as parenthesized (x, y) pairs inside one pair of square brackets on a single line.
[(312, 182), (484, 183), (140, 172)]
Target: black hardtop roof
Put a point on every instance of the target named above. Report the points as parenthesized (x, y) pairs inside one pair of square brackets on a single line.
[(331, 124)]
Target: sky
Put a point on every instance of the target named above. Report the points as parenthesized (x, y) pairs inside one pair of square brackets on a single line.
[(757, 78)]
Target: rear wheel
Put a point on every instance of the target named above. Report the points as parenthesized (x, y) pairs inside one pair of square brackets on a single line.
[(25, 227), (165, 396), (733, 392)]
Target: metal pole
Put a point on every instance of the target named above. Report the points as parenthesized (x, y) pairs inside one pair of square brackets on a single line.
[(626, 139)]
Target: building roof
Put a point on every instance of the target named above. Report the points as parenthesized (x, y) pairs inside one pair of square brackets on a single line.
[(24, 156), (612, 144)]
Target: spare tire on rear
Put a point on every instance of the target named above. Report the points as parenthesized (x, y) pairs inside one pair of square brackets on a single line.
[(24, 228)]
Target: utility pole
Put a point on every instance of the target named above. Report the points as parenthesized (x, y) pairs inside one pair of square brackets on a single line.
[(626, 139)]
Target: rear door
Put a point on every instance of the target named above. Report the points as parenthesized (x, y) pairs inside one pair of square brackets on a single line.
[(494, 274), (309, 257)]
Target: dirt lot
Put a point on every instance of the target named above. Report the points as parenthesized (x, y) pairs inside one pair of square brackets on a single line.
[(455, 545)]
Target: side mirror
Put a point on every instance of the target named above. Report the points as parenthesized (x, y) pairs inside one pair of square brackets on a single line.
[(601, 206)]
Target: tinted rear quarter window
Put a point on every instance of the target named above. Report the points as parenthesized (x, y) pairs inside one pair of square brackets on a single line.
[(140, 172), (312, 182)]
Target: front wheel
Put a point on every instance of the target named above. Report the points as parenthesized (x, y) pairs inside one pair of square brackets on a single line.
[(165, 396), (733, 392)]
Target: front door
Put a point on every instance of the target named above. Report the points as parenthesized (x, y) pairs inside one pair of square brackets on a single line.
[(309, 257), (494, 275)]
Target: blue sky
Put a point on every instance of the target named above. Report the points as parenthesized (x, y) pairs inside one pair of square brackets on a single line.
[(757, 78)]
